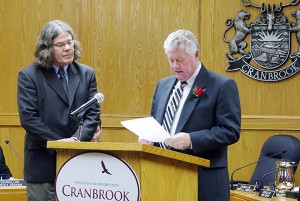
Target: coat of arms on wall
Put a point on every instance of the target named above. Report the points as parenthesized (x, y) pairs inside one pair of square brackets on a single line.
[(270, 42)]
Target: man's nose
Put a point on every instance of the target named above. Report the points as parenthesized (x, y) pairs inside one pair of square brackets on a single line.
[(67, 46), (174, 64)]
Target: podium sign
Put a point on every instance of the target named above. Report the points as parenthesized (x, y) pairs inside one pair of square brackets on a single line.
[(162, 174), (97, 176)]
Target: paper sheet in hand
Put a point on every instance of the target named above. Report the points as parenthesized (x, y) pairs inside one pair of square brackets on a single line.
[(147, 128)]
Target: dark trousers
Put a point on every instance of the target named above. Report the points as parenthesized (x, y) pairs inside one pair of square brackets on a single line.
[(40, 192), (213, 184)]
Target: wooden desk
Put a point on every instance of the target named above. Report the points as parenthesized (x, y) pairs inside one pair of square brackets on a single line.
[(246, 196), (10, 193)]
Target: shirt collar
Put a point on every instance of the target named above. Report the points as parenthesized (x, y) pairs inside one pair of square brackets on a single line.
[(57, 67), (191, 80)]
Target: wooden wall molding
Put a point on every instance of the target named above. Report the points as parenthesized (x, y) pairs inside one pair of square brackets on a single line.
[(9, 119), (249, 122), (108, 120), (288, 123)]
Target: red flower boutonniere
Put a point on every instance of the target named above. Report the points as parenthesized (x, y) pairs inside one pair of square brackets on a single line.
[(198, 91)]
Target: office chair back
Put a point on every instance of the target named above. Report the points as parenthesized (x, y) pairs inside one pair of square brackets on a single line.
[(275, 144)]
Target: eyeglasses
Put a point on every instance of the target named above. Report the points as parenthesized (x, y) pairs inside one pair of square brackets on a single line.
[(70, 43)]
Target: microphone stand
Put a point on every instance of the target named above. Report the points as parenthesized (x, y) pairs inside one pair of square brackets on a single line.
[(231, 181), (79, 118), (8, 143), (80, 129), (237, 170)]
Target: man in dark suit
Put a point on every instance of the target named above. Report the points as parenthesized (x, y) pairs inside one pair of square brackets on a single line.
[(4, 170), (48, 91), (207, 118)]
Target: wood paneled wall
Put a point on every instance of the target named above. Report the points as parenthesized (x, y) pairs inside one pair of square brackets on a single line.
[(123, 41)]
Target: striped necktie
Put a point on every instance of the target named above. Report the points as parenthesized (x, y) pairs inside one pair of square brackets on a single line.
[(172, 108), (63, 79)]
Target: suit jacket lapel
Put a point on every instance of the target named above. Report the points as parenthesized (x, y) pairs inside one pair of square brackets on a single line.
[(191, 101), (55, 84), (167, 89), (74, 81)]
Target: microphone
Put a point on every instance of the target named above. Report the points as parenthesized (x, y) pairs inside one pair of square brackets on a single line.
[(76, 114), (7, 142), (281, 152)]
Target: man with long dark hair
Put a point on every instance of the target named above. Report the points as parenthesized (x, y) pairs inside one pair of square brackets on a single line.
[(48, 90)]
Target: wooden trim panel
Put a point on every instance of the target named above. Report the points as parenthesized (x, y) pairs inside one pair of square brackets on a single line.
[(287, 123)]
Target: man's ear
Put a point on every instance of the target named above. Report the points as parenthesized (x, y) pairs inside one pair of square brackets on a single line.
[(197, 54)]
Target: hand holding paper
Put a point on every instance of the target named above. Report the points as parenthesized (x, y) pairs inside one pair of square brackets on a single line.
[(147, 128)]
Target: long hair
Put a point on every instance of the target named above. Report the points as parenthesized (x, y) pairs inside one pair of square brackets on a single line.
[(43, 51)]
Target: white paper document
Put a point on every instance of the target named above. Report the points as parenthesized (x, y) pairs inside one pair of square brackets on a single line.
[(147, 128)]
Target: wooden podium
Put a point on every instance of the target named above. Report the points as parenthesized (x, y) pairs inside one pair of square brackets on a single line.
[(163, 174)]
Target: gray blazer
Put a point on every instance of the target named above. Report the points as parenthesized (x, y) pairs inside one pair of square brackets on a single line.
[(44, 113)]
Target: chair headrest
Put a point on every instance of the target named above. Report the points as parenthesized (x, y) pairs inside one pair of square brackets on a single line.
[(287, 146)]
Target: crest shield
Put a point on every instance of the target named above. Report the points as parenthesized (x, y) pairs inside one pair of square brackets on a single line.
[(270, 49)]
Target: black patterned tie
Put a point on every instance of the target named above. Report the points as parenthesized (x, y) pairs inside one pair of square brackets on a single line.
[(63, 80), (172, 108)]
